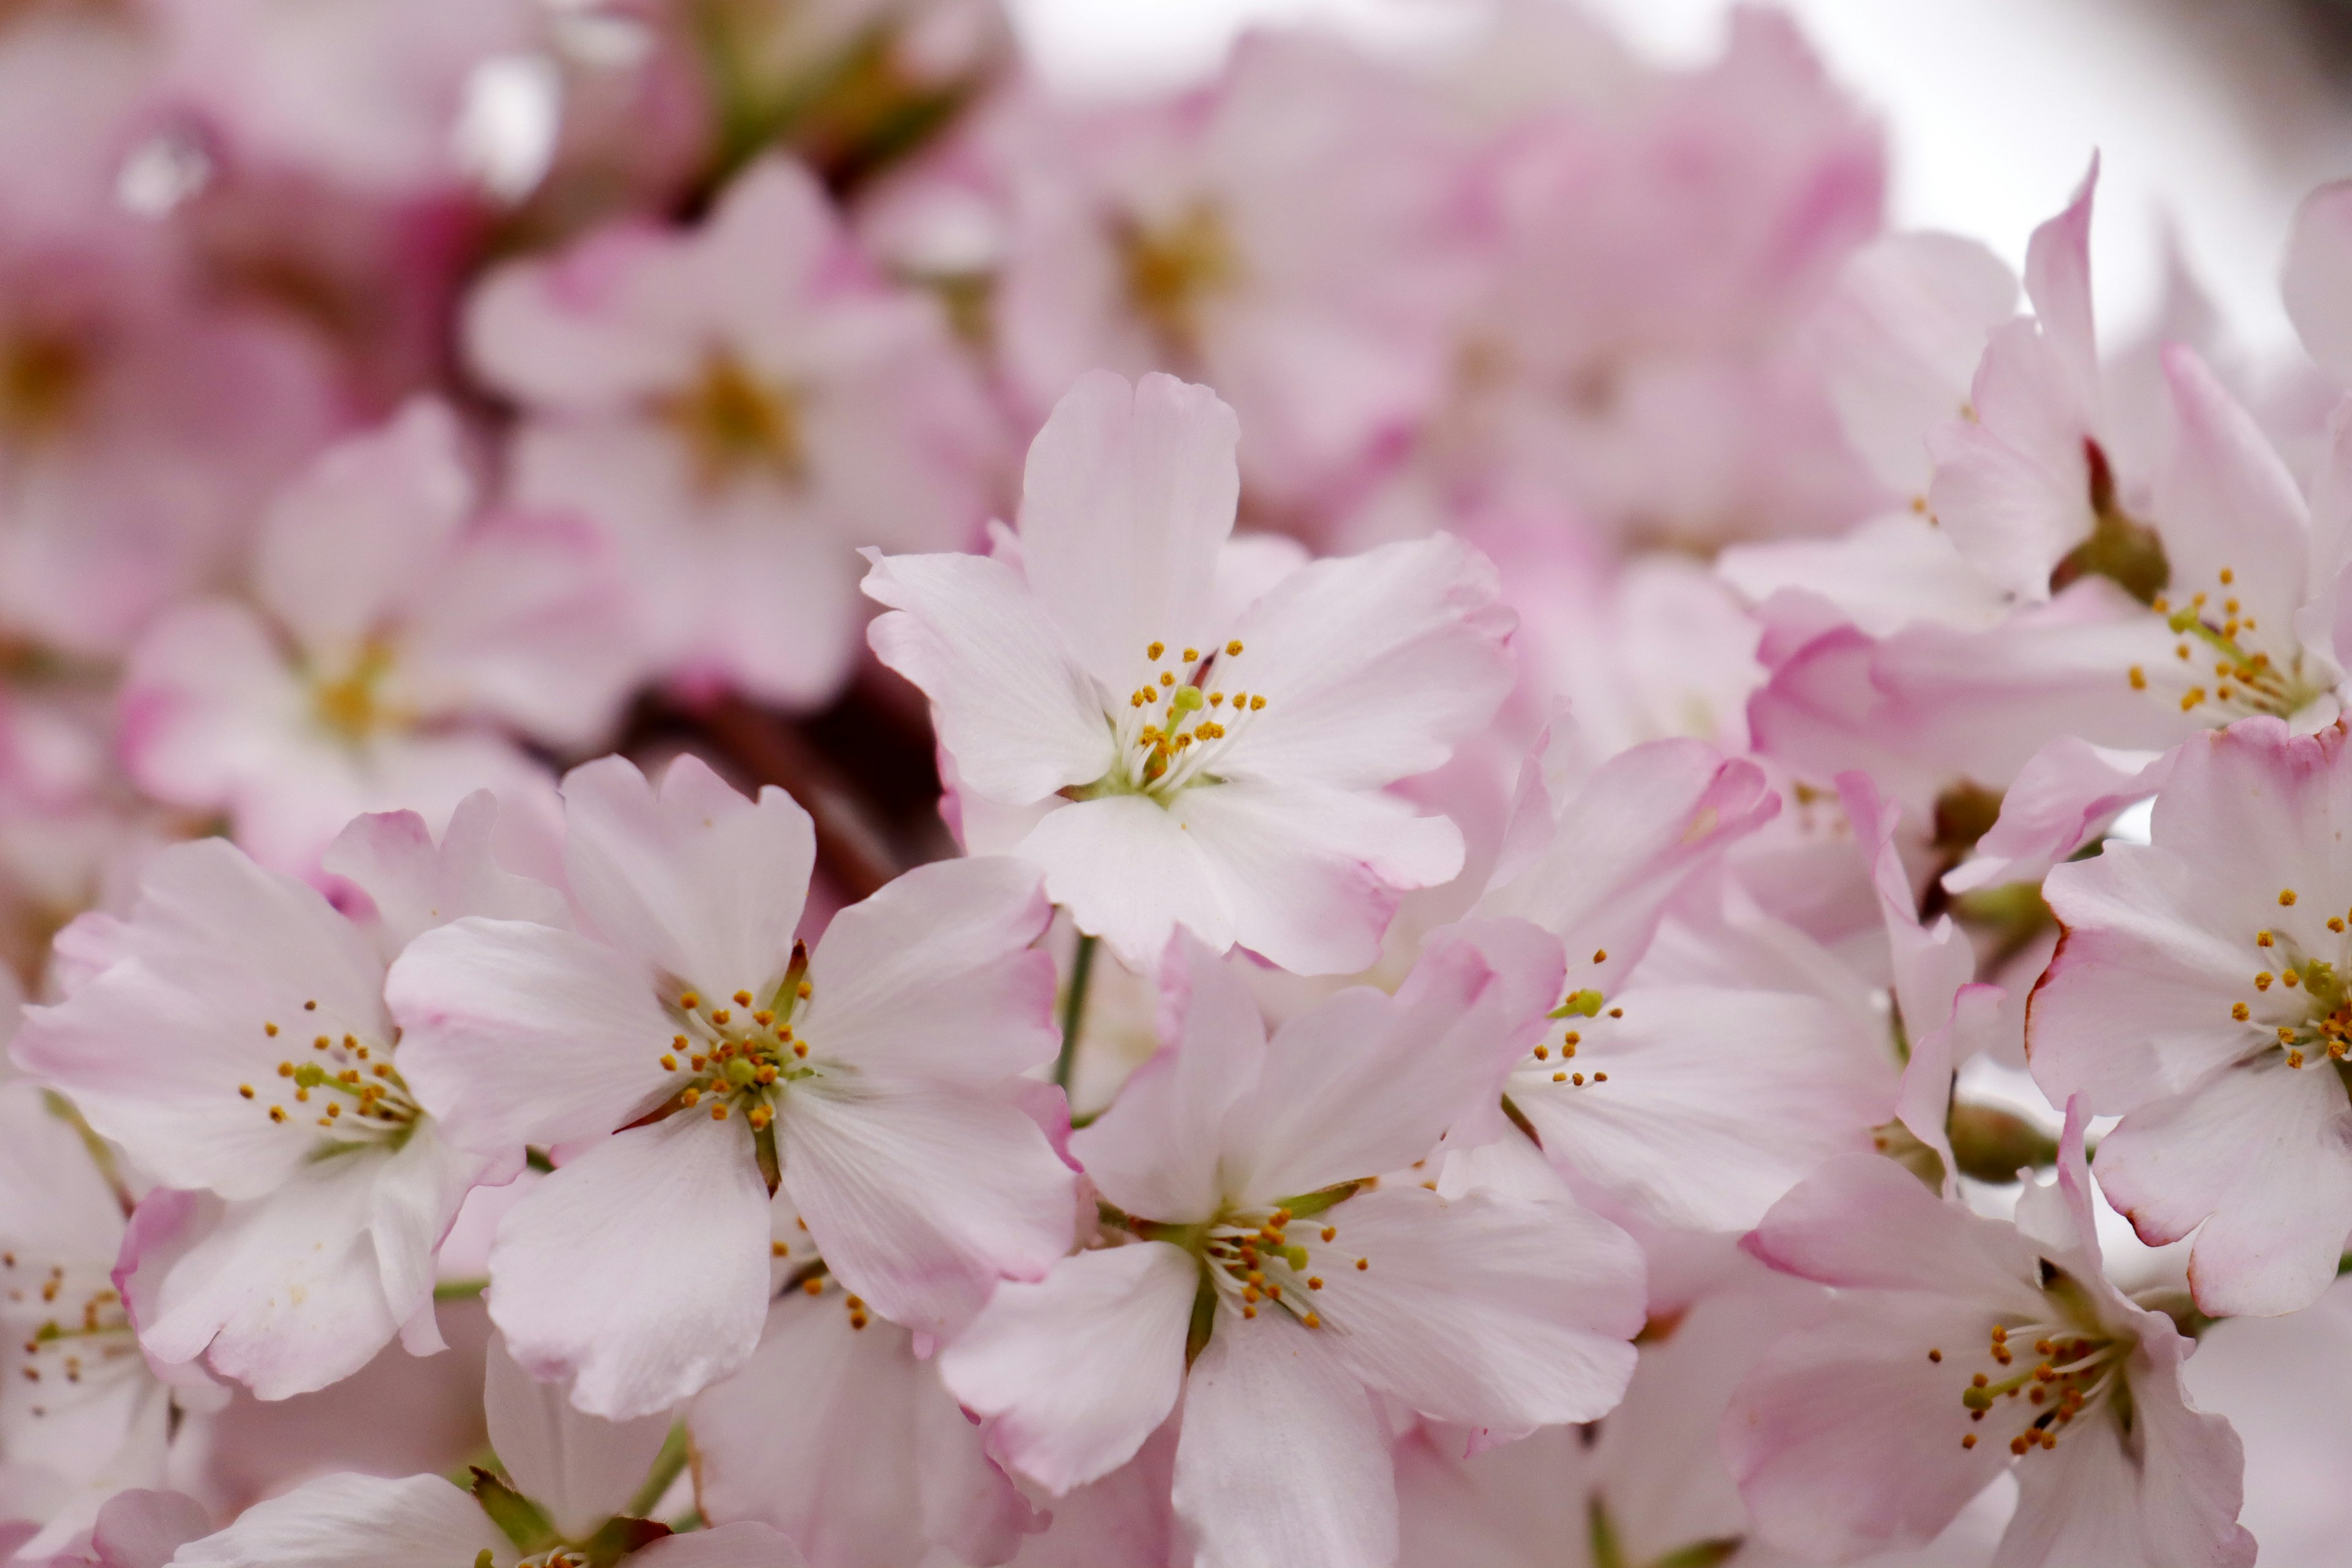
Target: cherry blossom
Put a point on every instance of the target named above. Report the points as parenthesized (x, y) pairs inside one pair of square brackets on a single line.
[(81, 1415), (1961, 1346), (1255, 1265), (233, 1029), (739, 405), (1201, 747), (2196, 993), (399, 636), (685, 1058)]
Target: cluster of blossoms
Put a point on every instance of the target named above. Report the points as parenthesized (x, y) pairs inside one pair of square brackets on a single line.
[(768, 803)]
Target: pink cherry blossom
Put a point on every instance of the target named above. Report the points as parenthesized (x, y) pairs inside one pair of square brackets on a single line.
[(80, 1417), (233, 1030), (836, 1434), (399, 637), (1086, 678), (367, 94), (2196, 993), (1223, 237), (1961, 1346), (686, 1059), (741, 405), (1258, 1269), (566, 1496)]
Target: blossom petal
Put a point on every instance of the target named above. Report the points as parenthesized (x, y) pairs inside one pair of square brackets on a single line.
[(1366, 1083), (2262, 1157), (920, 1196), (1014, 708), (355, 1521), (580, 1469), (1130, 872), (934, 976), (1540, 1299), (153, 1048), (515, 1033), (1715, 1102), (1372, 666), (739, 1546), (282, 1293), (1156, 1152), (1282, 1459), (705, 886), (1128, 496), (827, 1435), (1075, 1372), (639, 1271)]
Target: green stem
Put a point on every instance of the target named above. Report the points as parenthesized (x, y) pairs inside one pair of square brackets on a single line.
[(667, 1464), (1074, 1010), (459, 1290)]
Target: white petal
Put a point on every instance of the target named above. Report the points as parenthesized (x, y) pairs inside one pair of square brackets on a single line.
[(1156, 1152), (1075, 1372), (827, 1436), (1372, 666), (1014, 707), (697, 881), (516, 1033), (1128, 872), (153, 1049), (1715, 1102), (1282, 1460), (2262, 1155), (638, 1271), (284, 1293), (1128, 497), (1367, 1083), (934, 975), (355, 1521), (743, 1545), (921, 1196), (415, 884), (1483, 1310), (581, 1469), (2317, 280)]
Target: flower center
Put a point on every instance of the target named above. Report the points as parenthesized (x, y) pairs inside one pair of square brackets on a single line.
[(1174, 727), (737, 425), (2070, 1370), (42, 381), (1172, 269), (737, 1055), (2248, 677), (1548, 1067), (74, 1331), (346, 1085), (352, 707), (2301, 1004)]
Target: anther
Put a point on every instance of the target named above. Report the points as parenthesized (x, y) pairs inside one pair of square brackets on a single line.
[(2286, 897), (2138, 679), (245, 1089), (310, 1007), (1166, 678), (1191, 655), (2238, 1010), (689, 1001), (270, 1029), (1155, 650), (812, 1286), (743, 998), (1330, 1233), (1599, 955), (1363, 1264), (1936, 1355)]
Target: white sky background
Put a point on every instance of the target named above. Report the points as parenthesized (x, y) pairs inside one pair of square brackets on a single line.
[(2208, 113)]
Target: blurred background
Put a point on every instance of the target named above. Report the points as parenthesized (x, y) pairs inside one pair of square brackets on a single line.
[(2213, 117)]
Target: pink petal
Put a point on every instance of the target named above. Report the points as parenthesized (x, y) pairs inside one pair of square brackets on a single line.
[(2317, 278), (2261, 1155), (1129, 494), (1283, 1459), (1130, 872), (705, 886), (1538, 1299), (361, 1521), (639, 1271), (838, 1437), (934, 976), (580, 1469), (1156, 1151), (1020, 715), (1075, 1372), (515, 1033), (1374, 665), (920, 1196)]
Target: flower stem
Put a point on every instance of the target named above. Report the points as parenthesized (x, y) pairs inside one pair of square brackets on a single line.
[(1074, 1010), (667, 1464)]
